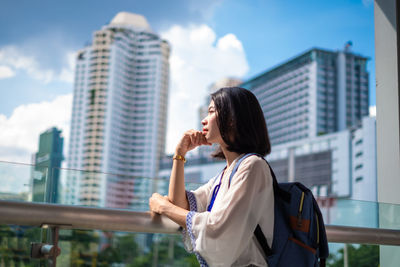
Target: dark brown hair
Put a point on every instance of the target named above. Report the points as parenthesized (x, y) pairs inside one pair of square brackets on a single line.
[(240, 121)]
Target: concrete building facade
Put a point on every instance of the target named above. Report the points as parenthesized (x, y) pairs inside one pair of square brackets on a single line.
[(315, 93)]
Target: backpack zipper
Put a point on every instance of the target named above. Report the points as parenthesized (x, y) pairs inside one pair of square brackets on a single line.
[(300, 210), (316, 216)]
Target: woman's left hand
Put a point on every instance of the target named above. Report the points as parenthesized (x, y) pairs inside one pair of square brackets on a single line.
[(158, 203)]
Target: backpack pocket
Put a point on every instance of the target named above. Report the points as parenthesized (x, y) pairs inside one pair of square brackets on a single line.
[(296, 253)]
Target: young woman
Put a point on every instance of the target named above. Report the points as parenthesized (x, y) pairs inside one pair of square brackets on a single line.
[(220, 217)]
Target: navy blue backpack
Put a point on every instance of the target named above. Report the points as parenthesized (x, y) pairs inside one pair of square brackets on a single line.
[(299, 229)]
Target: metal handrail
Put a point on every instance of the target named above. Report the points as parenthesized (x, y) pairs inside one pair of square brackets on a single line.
[(89, 218)]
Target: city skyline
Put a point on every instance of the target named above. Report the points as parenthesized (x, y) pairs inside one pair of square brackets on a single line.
[(226, 39)]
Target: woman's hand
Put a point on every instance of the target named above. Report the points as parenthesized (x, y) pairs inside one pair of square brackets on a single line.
[(158, 203), (161, 205), (190, 140)]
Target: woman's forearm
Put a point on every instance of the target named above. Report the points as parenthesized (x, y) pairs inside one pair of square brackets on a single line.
[(177, 193), (175, 213)]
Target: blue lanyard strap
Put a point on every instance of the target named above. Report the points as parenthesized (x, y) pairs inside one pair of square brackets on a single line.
[(216, 188), (215, 192)]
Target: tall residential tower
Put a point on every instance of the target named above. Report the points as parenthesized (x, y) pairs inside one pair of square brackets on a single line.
[(46, 175), (119, 115)]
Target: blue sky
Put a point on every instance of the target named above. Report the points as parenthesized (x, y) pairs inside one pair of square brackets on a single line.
[(39, 38)]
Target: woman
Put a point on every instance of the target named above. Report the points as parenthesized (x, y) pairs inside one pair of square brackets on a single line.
[(220, 217)]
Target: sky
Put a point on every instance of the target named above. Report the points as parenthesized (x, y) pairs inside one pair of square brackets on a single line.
[(210, 39)]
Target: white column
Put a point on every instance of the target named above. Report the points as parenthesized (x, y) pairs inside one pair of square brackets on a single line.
[(387, 121)]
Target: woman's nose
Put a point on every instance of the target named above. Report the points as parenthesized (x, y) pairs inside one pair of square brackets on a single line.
[(204, 122)]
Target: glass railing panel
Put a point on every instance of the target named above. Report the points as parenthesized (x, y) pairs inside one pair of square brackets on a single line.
[(389, 216), (348, 212), (99, 248), (94, 248), (23, 182), (110, 190), (75, 187), (357, 213), (353, 255), (15, 245), (106, 248)]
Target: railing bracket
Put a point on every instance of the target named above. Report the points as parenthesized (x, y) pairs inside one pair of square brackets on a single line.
[(47, 251)]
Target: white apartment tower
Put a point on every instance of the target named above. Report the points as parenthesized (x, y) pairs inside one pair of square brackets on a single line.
[(315, 93), (119, 114)]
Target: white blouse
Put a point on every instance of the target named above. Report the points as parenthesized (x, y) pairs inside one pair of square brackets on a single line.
[(225, 235)]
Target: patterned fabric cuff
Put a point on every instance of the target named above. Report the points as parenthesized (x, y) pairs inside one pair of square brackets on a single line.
[(189, 219), (192, 201)]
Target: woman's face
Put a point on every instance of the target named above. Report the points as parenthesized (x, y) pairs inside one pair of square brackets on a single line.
[(210, 126)]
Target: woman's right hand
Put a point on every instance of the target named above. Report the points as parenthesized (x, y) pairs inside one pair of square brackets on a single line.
[(190, 140)]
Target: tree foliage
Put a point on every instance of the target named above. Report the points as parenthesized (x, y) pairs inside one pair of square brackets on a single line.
[(81, 248), (360, 256)]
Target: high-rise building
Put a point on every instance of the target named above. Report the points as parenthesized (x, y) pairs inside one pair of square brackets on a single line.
[(119, 114), (315, 93), (47, 161)]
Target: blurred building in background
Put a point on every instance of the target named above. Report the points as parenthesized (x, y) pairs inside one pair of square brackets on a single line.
[(336, 165), (315, 93), (119, 114), (339, 165), (45, 178), (316, 108)]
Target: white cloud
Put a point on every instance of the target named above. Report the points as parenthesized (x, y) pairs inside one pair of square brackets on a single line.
[(197, 60), (15, 59), (19, 134), (372, 111), (6, 72), (229, 42), (67, 72)]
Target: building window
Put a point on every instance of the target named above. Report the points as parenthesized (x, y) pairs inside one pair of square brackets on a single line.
[(359, 166), (359, 142)]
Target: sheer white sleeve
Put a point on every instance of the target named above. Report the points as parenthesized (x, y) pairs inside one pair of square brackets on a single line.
[(221, 235), (197, 203)]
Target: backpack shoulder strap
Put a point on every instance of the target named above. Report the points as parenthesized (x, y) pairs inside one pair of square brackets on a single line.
[(257, 232), (323, 241), (262, 241), (235, 168)]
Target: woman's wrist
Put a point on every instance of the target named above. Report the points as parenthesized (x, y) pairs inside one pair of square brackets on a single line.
[(165, 207), (180, 152)]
